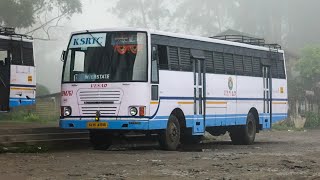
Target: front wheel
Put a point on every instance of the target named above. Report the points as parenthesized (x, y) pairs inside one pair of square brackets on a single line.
[(244, 135), (170, 137), (100, 140)]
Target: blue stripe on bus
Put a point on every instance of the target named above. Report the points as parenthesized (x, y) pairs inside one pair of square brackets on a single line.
[(220, 98), (22, 85), (218, 120), (160, 122), (14, 102)]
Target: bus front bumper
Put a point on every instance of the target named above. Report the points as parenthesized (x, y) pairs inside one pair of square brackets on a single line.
[(113, 124)]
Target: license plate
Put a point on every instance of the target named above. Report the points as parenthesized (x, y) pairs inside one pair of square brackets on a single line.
[(97, 125)]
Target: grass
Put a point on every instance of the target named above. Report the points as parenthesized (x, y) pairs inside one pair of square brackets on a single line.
[(26, 116), (285, 126)]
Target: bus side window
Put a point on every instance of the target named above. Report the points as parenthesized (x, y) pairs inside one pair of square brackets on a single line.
[(16, 54), (3, 56), (238, 64), (28, 56), (154, 65), (163, 57)]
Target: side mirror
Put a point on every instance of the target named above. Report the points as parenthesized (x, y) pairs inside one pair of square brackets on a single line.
[(63, 56)]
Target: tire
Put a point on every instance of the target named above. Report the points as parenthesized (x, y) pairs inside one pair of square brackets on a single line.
[(170, 137), (244, 135), (100, 140)]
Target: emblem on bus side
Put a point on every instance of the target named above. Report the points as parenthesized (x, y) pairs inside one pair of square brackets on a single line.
[(230, 83)]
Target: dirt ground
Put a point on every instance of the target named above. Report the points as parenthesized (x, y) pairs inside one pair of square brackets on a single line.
[(275, 155)]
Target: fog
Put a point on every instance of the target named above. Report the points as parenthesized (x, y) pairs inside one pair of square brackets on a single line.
[(290, 23), (47, 53)]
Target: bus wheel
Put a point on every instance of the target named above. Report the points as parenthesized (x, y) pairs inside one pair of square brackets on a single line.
[(170, 137), (246, 134), (100, 140)]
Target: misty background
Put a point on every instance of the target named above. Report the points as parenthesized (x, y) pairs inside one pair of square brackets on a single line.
[(290, 23)]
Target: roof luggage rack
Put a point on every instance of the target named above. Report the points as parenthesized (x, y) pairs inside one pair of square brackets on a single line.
[(10, 31), (247, 40)]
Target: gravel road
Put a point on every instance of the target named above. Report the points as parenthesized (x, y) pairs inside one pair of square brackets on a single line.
[(275, 155)]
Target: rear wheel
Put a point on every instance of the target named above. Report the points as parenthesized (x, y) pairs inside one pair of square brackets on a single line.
[(170, 137), (100, 140), (246, 134)]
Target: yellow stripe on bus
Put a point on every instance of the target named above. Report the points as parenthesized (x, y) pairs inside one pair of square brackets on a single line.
[(185, 102), (154, 102), (22, 88), (279, 102)]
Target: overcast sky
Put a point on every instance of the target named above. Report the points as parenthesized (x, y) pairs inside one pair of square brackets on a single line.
[(95, 15)]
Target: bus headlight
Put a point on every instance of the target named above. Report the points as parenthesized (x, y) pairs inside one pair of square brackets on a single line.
[(66, 111), (133, 111)]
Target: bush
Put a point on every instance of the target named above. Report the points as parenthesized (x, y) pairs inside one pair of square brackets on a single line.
[(31, 118), (21, 116), (285, 126), (312, 120)]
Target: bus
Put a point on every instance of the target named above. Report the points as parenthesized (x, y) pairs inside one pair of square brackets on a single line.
[(123, 81), (17, 70)]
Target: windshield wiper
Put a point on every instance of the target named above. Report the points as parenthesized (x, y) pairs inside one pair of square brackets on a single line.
[(94, 38)]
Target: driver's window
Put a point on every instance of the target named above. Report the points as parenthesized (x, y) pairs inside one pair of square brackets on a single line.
[(66, 75), (79, 61)]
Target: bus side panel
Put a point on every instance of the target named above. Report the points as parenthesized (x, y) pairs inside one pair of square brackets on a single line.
[(249, 94), (217, 104), (22, 85), (280, 100), (175, 91)]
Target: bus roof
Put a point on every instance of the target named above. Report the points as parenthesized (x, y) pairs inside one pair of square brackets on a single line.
[(183, 36), (16, 38)]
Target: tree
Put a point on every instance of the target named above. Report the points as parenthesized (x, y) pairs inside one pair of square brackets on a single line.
[(37, 14), (207, 17), (42, 90), (143, 13), (309, 66)]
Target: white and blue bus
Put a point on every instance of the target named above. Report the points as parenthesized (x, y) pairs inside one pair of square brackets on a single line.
[(17, 70), (118, 81)]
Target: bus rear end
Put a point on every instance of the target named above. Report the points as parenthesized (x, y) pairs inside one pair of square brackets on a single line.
[(17, 70), (105, 84)]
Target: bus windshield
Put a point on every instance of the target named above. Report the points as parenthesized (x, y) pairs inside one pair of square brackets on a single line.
[(107, 57)]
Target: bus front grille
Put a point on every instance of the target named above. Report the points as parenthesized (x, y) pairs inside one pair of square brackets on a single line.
[(104, 111), (99, 96), (107, 101)]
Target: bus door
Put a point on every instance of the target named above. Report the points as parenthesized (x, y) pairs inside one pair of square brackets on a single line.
[(4, 80), (267, 99), (199, 84)]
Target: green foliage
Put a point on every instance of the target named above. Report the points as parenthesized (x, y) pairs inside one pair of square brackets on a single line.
[(26, 116), (309, 66), (23, 116), (23, 13), (313, 120), (30, 117), (285, 126), (16, 13)]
